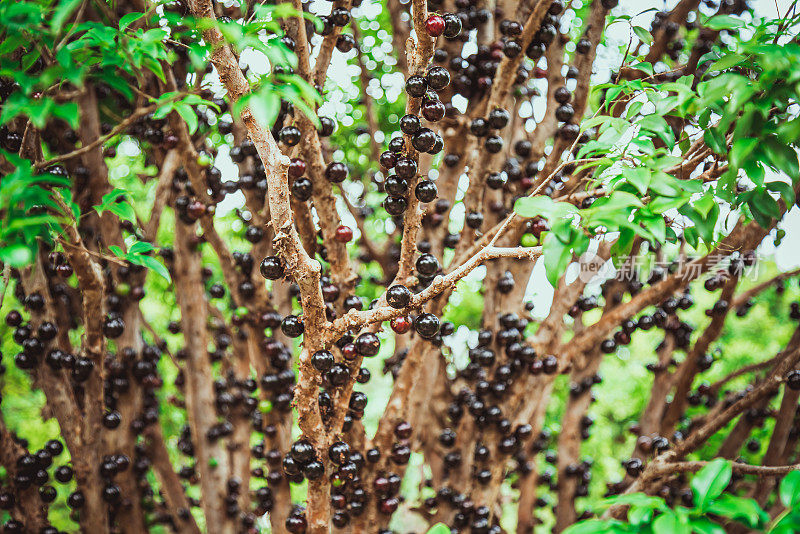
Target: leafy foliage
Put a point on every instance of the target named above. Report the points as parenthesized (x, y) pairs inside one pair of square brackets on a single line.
[(116, 57), (712, 510), (25, 197), (138, 255), (740, 112), (438, 528)]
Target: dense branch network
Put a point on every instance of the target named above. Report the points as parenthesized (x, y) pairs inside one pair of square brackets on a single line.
[(473, 406)]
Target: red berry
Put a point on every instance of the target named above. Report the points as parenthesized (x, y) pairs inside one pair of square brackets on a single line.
[(400, 325), (344, 234), (64, 270), (388, 506), (539, 72), (297, 168), (434, 25), (349, 352), (196, 209), (171, 141), (527, 182), (538, 226)]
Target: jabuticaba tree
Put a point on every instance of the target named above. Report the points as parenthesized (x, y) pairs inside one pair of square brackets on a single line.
[(222, 223)]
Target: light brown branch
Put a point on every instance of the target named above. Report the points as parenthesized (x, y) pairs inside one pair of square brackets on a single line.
[(745, 297), (357, 318)]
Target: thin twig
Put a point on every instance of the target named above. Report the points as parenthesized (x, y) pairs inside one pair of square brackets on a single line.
[(744, 469), (121, 127), (358, 318)]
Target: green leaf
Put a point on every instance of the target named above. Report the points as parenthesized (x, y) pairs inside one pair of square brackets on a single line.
[(597, 526), (155, 67), (129, 19), (187, 113), (670, 523), (657, 226), (715, 141), (111, 202), (702, 525), (788, 524), (727, 61), (543, 206), (66, 196), (152, 264), (638, 177), (62, 13), (636, 499), (163, 110), (619, 203), (710, 482), (643, 35), (140, 247), (109, 198), (754, 170), (68, 111), (705, 204), (195, 100), (264, 106), (30, 221), (781, 157), (740, 150), (662, 204), (789, 490), (657, 125), (763, 202), (738, 508), (634, 108), (784, 189), (557, 255), (17, 255), (640, 515), (624, 244), (723, 22), (603, 121), (38, 110), (123, 210), (439, 528), (612, 94), (305, 90), (644, 66), (704, 226), (118, 84), (667, 185), (691, 236)]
